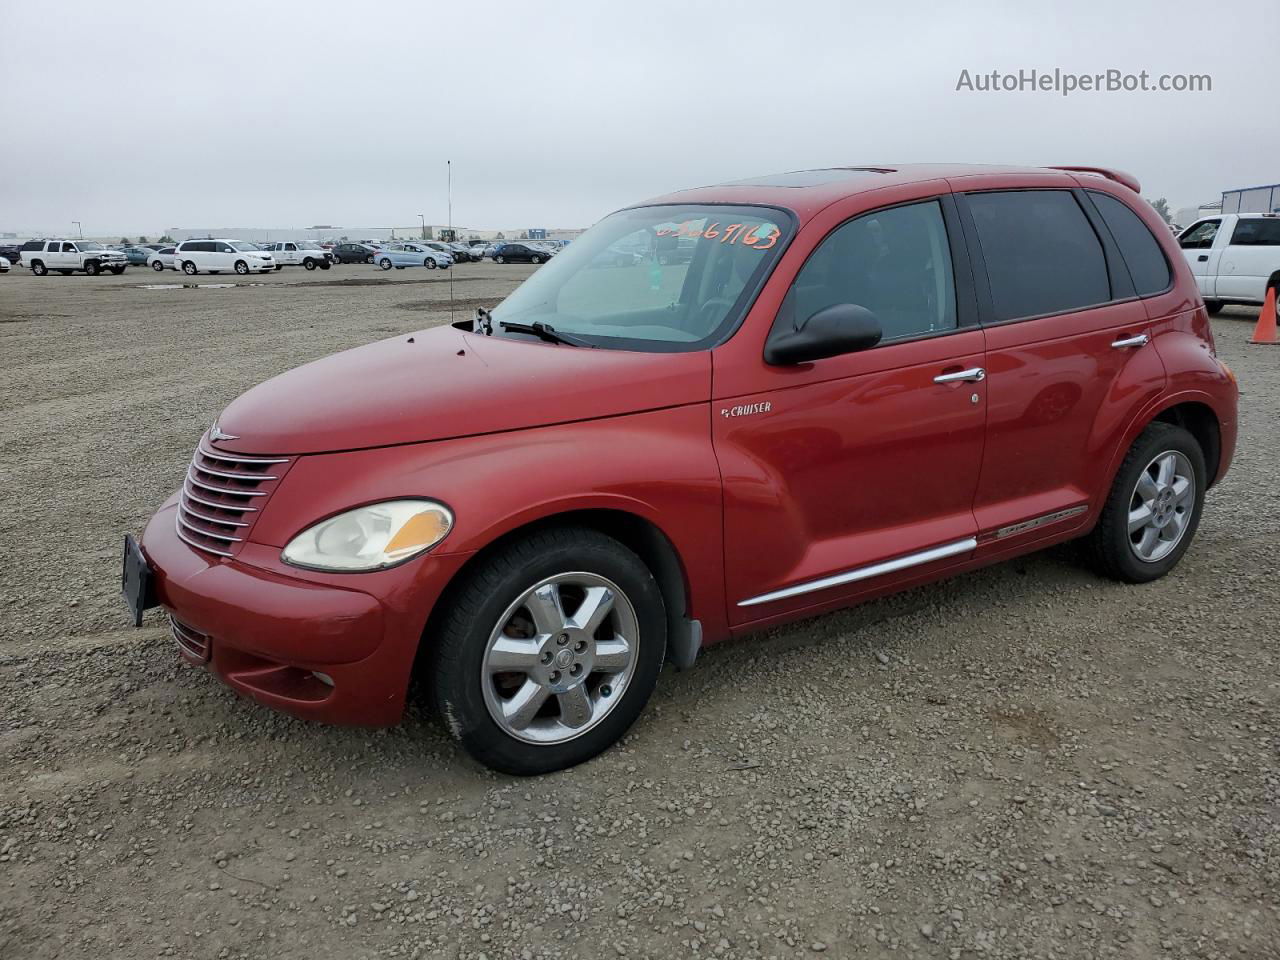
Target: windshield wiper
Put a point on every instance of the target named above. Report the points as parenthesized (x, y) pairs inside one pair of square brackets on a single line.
[(544, 331)]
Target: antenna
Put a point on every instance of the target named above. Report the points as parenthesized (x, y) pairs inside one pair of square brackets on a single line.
[(448, 165)]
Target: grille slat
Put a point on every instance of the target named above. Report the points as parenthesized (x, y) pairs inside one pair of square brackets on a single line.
[(223, 485)]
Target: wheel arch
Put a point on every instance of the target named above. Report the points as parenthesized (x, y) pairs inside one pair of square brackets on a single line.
[(1199, 420), (639, 534)]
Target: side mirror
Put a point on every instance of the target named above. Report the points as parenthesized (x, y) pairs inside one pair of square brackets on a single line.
[(833, 331)]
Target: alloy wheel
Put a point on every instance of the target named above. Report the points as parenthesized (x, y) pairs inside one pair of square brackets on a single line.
[(560, 658), (1161, 506)]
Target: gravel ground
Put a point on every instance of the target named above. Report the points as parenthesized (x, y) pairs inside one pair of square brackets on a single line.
[(1021, 762)]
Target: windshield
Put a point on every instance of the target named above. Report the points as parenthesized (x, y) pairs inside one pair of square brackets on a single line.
[(241, 245), (653, 278), (308, 245), (83, 245)]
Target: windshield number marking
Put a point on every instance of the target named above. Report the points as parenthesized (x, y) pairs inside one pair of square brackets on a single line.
[(760, 237)]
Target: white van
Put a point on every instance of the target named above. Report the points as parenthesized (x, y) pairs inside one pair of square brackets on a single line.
[(219, 256)]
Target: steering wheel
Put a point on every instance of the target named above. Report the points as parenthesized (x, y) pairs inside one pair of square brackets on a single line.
[(704, 311)]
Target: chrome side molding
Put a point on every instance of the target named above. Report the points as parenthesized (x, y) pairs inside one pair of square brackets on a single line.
[(865, 573), (1034, 522)]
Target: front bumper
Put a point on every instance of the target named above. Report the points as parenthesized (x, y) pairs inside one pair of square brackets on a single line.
[(311, 648)]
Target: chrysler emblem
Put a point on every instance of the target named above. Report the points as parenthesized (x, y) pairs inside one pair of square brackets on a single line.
[(215, 434)]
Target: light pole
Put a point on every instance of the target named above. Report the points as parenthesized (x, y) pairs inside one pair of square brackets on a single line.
[(449, 193), (80, 228), (423, 218)]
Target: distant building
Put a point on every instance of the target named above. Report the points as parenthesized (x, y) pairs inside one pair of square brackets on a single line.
[(1252, 199)]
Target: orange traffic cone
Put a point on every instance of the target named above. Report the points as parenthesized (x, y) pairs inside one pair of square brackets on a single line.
[(1265, 331)]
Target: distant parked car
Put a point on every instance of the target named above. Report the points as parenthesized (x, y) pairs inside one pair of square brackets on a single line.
[(304, 253), (68, 256), (463, 252), (155, 246), (4, 264), (354, 253), (217, 256), (520, 253), (401, 255), (11, 252), (137, 256), (162, 259)]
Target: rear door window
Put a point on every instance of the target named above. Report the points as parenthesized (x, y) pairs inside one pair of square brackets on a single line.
[(1041, 253), (1257, 232), (1146, 261)]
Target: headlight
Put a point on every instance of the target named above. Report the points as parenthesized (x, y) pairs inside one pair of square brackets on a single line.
[(371, 538)]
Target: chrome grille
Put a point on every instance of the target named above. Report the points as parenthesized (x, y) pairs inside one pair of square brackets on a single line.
[(192, 642), (222, 495)]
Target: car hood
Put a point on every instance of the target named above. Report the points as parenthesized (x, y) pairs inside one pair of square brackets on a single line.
[(443, 383)]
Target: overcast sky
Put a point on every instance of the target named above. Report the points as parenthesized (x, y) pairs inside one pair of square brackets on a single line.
[(135, 117)]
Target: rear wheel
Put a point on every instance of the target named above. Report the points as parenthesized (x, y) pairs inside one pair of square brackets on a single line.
[(1154, 506), (549, 651), (242, 268), (38, 268), (189, 268), (1214, 307)]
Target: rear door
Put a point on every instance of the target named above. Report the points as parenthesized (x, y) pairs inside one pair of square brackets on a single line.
[(1251, 256), (851, 473), (1197, 243), (1062, 326)]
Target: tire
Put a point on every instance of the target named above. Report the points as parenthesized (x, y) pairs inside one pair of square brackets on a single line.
[(1139, 486), (470, 692), (117, 270), (242, 268), (92, 268), (279, 266), (65, 273), (535, 260), (309, 263), (38, 268), (1214, 307), (499, 259), (157, 266), (369, 258), (325, 264), (189, 268), (385, 263), (429, 263)]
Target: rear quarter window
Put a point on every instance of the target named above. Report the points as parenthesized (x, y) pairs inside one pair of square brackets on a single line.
[(1142, 254), (1041, 253)]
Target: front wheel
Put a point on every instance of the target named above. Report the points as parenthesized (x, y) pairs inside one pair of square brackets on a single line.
[(499, 260), (1154, 506), (157, 266), (535, 260), (117, 270), (369, 258), (324, 264), (309, 263), (242, 268), (91, 268), (429, 263), (189, 268), (385, 263), (549, 651)]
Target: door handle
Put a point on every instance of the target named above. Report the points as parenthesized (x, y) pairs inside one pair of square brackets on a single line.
[(972, 375), (1140, 340), (1203, 258)]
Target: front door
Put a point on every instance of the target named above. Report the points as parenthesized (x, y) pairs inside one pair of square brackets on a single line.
[(1202, 256), (858, 471), (1250, 258)]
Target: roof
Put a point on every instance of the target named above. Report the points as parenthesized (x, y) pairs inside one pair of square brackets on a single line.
[(806, 191)]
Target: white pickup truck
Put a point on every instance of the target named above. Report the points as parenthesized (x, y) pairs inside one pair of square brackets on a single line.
[(299, 253), (67, 256), (1235, 257)]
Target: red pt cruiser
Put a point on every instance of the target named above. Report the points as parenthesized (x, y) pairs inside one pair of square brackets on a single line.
[(716, 411)]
